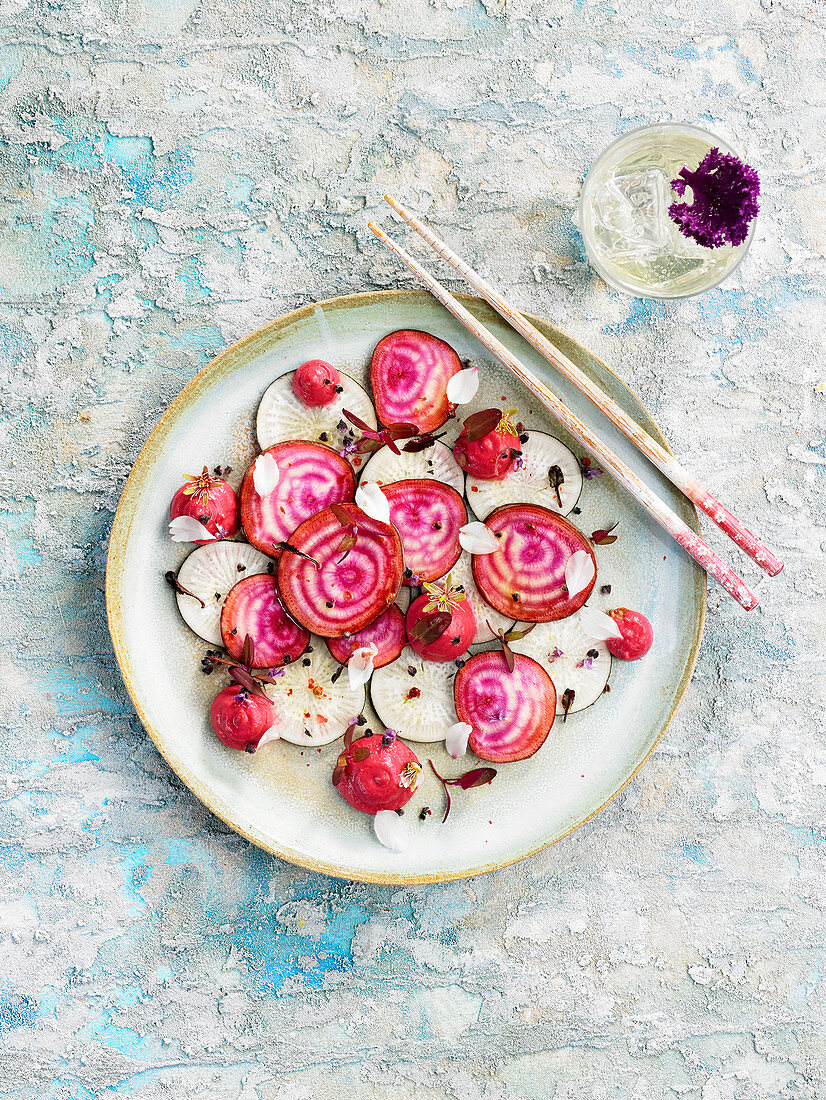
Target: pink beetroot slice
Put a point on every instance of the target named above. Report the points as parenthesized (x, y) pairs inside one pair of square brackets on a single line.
[(311, 476), (409, 373), (511, 713), (428, 515), (253, 607), (386, 633), (350, 575), (525, 577)]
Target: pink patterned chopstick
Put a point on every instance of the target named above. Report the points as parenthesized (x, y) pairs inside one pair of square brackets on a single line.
[(665, 516), (665, 463)]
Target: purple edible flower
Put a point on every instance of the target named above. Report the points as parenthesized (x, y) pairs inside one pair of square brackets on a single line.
[(388, 737), (724, 200)]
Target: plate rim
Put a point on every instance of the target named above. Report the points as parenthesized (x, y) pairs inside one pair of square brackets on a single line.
[(115, 560)]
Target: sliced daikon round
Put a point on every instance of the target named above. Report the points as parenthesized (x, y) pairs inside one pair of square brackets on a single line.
[(572, 659), (435, 462), (282, 415), (543, 457), (209, 572), (311, 708), (418, 705)]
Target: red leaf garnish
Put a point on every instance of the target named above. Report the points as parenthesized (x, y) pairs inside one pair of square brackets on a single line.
[(476, 778), (568, 696), (429, 628), (366, 445), (604, 537), (511, 636), (338, 772), (342, 515), (357, 422), (556, 478), (346, 544), (401, 431), (248, 652), (171, 579), (290, 549), (422, 443), (360, 754), (244, 680), (349, 733), (482, 423), (514, 635)]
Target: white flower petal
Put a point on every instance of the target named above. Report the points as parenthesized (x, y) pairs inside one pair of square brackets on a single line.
[(579, 572), (265, 475), (373, 502), (477, 538), (189, 529), (456, 739), (462, 386), (360, 665), (390, 830), (271, 734), (597, 624)]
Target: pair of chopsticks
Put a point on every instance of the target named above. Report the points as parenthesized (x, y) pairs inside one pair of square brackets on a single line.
[(666, 463)]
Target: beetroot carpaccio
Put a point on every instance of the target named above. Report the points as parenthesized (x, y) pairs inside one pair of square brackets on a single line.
[(334, 579)]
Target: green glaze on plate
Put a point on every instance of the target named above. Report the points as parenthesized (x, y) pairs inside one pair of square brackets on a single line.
[(281, 798)]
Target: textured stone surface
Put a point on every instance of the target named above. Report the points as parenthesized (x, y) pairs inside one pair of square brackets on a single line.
[(174, 174)]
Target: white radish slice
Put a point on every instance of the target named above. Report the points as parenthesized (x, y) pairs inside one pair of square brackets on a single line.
[(311, 708), (462, 573), (436, 462), (209, 572), (569, 668), (531, 481), (282, 415), (418, 706)]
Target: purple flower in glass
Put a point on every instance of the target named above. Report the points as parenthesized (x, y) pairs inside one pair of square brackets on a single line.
[(724, 200)]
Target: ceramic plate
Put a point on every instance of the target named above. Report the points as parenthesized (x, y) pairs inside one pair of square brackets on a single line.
[(281, 798)]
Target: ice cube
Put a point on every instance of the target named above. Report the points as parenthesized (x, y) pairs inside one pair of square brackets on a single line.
[(647, 195), (632, 210)]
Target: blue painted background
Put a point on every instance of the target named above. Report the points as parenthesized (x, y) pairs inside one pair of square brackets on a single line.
[(175, 174)]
